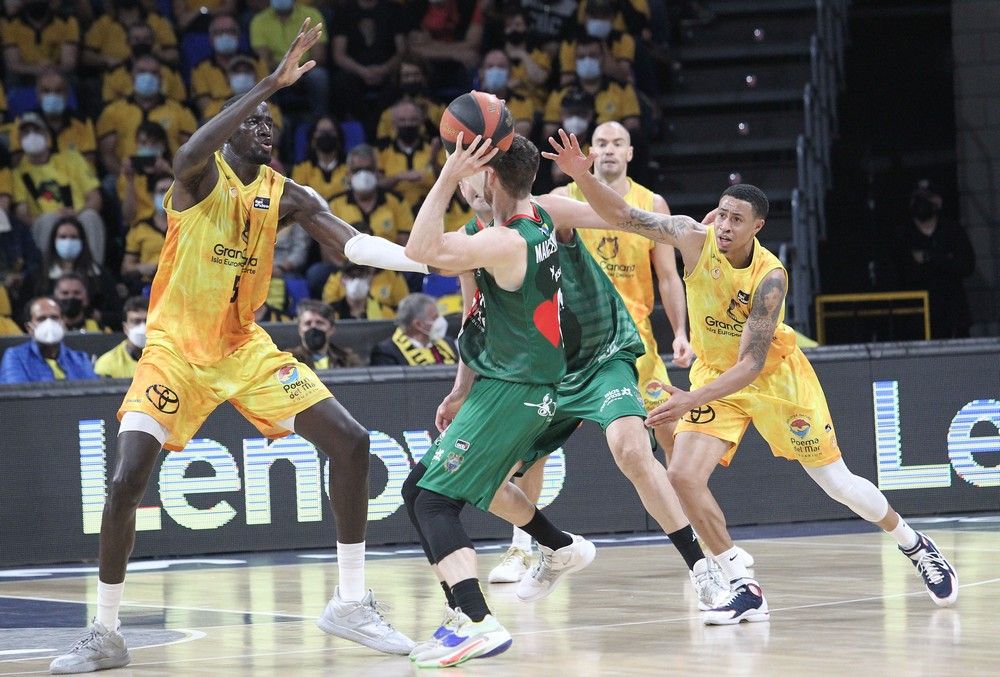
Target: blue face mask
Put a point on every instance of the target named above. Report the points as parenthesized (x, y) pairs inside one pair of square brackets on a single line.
[(281, 5), (225, 43), (598, 28), (241, 83), (495, 78), (146, 84), (68, 248), (53, 104), (588, 68)]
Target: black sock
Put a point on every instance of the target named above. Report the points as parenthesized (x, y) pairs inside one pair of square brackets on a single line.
[(448, 595), (543, 531), (469, 598), (687, 545)]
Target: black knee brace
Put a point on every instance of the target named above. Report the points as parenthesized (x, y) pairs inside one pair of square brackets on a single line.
[(410, 491), (439, 521)]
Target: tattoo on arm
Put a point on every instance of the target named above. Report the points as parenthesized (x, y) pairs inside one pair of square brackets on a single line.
[(763, 320), (659, 227)]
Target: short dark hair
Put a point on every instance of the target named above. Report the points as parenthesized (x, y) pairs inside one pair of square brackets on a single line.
[(155, 131), (135, 304), (752, 194), (314, 306), (31, 304), (517, 166)]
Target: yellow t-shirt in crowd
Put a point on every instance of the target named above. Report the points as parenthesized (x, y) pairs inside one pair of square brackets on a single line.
[(109, 38), (63, 181), (116, 363), (389, 218), (40, 47), (124, 117), (388, 288), (613, 102)]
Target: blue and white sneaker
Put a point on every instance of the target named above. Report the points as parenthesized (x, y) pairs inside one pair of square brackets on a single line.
[(469, 640), (745, 603), (939, 576), (452, 619)]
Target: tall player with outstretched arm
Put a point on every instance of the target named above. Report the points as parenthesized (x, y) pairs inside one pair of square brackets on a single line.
[(749, 370), (203, 348)]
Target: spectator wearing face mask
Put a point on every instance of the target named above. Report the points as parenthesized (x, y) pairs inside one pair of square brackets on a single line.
[(324, 169), (410, 162), (369, 207), (628, 16), (144, 241), (121, 83), (411, 86), (106, 44), (71, 293), (618, 54), (70, 130), (494, 77), (368, 40), (44, 357), (37, 38), (49, 185), (364, 293), (19, 257), (212, 84), (419, 338), (121, 361), (316, 329), (530, 64), (140, 172), (613, 101), (577, 113), (934, 254), (117, 124)]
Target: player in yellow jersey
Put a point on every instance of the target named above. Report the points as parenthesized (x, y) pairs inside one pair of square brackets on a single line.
[(749, 370), (203, 348)]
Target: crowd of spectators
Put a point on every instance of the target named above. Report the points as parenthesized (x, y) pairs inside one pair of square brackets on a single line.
[(98, 95)]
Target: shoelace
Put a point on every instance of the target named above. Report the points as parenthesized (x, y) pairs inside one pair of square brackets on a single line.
[(932, 567), (377, 612), (513, 554), (542, 571), (85, 641)]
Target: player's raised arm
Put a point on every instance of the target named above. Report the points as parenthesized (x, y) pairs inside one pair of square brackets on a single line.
[(193, 161), (758, 332), (682, 232), (429, 243), (303, 205)]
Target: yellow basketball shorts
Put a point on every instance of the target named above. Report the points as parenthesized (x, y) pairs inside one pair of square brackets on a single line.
[(265, 384), (787, 407), (652, 372)]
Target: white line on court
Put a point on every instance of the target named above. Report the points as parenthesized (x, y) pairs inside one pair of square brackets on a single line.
[(276, 614)]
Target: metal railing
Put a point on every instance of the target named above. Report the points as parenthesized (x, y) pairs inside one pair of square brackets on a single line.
[(819, 98)]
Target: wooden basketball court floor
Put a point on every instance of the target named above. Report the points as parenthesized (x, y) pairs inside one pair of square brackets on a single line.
[(841, 603)]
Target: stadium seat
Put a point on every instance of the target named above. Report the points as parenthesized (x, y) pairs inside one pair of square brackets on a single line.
[(440, 285), (195, 48), (23, 99), (297, 288)]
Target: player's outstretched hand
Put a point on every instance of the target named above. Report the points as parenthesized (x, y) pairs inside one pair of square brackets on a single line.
[(447, 410), (680, 402), (468, 161), (289, 71), (569, 156)]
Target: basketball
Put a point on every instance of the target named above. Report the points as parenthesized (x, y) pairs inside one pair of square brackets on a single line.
[(477, 113)]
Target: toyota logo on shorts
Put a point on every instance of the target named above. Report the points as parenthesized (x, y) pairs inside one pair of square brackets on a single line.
[(163, 398), (703, 414)]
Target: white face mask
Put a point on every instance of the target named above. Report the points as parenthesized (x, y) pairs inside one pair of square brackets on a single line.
[(438, 329), (49, 332), (356, 288), (363, 181), (33, 143), (575, 124), (137, 335)]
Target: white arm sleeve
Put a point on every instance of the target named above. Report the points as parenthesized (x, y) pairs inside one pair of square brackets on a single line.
[(378, 252)]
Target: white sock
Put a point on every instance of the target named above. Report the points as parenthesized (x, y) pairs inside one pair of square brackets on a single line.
[(732, 565), (351, 565), (109, 598), (904, 535), (521, 539)]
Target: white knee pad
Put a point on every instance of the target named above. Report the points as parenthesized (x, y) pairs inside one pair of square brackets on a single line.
[(855, 492), (144, 423)]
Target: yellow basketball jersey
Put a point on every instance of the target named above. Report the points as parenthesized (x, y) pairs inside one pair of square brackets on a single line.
[(215, 267), (719, 298), (624, 257)]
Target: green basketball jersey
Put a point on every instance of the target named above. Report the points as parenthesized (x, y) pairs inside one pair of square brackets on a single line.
[(596, 325), (515, 336)]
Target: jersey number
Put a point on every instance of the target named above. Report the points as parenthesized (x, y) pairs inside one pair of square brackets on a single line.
[(236, 289)]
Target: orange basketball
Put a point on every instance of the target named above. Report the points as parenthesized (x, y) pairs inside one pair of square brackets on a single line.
[(477, 113)]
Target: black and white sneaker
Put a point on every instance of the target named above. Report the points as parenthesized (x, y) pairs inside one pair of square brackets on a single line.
[(938, 575), (745, 603)]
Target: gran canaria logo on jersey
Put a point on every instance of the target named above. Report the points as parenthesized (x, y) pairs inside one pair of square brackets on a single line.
[(735, 317), (608, 248), (235, 258)]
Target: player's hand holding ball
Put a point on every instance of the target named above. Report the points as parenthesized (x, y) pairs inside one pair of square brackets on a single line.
[(569, 156), (469, 161)]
